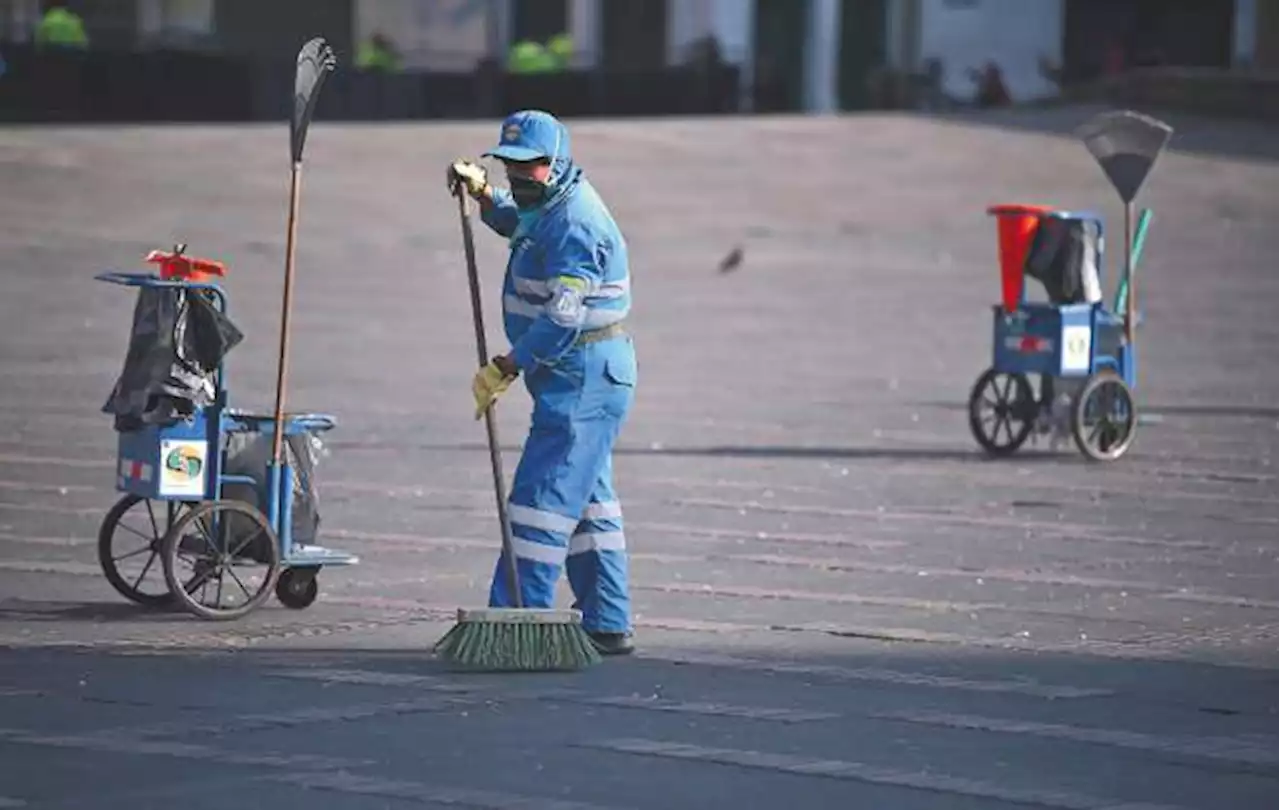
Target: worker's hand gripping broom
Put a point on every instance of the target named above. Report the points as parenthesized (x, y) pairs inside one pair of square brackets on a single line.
[(518, 638)]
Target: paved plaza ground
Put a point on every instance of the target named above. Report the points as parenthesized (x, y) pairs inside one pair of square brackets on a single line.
[(839, 602)]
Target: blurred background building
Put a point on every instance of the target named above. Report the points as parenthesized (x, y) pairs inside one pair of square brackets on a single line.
[(790, 55)]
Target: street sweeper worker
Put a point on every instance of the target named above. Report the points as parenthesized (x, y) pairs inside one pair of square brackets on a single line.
[(565, 295)]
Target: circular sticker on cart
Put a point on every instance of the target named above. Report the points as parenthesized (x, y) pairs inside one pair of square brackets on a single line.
[(182, 465)]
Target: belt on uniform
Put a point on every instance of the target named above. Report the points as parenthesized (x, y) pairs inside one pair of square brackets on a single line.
[(605, 333)]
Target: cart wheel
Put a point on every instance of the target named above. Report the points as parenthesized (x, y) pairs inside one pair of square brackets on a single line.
[(233, 557), (1103, 418), (1002, 411), (130, 542), (297, 588)]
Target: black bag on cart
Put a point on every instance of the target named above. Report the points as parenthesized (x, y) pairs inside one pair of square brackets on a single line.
[(249, 454), (1064, 258), (177, 341)]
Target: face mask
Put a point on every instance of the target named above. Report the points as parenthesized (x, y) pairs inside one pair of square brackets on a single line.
[(527, 193)]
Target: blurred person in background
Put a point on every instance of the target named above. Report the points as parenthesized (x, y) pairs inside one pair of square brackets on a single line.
[(60, 27), (560, 49), (378, 53), (528, 56), (990, 90)]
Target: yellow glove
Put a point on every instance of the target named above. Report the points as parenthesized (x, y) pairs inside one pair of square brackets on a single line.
[(489, 383), (471, 176)]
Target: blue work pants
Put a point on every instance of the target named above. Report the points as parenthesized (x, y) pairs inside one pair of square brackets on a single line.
[(563, 509)]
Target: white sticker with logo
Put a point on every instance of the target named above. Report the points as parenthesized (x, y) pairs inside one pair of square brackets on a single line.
[(182, 467), (1076, 343), (567, 307)]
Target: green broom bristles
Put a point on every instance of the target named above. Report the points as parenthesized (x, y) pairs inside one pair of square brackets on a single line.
[(518, 640)]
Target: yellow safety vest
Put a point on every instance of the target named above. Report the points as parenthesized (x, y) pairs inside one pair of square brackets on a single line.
[(530, 57), (63, 28), (560, 49), (372, 57)]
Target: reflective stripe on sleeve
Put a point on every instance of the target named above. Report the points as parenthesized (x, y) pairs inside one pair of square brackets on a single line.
[(541, 290)]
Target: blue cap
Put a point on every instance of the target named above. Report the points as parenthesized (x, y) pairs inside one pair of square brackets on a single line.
[(529, 135)]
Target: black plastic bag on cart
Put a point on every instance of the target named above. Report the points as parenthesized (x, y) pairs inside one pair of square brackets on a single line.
[(249, 454), (1064, 258), (178, 339)]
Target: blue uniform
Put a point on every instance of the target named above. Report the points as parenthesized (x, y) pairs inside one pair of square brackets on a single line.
[(567, 280)]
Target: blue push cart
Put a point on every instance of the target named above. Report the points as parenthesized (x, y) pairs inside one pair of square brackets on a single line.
[(1083, 352), (220, 557), (222, 499)]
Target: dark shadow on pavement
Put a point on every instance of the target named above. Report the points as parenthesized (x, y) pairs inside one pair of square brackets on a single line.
[(833, 453), (1218, 411), (36, 610), (756, 451), (691, 722), (1193, 134)]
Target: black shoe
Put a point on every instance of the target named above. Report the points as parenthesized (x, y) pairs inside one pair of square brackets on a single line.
[(613, 643)]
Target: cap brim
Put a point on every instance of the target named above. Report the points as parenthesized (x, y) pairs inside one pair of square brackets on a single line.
[(510, 152)]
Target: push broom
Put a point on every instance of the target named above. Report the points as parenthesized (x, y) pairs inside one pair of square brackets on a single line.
[(518, 638), (316, 60)]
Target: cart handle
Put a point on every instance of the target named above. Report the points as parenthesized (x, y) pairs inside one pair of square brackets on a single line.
[(1081, 215), (1044, 212), (311, 422), (151, 280)]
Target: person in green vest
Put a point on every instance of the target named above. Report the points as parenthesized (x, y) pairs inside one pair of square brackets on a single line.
[(530, 57), (560, 49), (61, 27), (378, 54)]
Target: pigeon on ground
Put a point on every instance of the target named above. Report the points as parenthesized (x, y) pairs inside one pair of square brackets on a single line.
[(732, 261)]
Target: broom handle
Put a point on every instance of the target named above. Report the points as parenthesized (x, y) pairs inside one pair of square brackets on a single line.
[(490, 422), (282, 360), (1131, 306)]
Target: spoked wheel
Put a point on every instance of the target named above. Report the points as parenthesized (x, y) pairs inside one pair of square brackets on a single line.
[(221, 559), (297, 587), (1104, 419), (130, 542), (1002, 411)]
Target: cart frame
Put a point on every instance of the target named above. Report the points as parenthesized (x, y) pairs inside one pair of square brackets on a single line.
[(183, 465)]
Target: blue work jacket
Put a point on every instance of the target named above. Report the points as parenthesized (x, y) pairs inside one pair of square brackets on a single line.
[(567, 272)]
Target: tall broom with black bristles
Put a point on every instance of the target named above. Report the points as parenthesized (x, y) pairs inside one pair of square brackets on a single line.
[(518, 638)]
